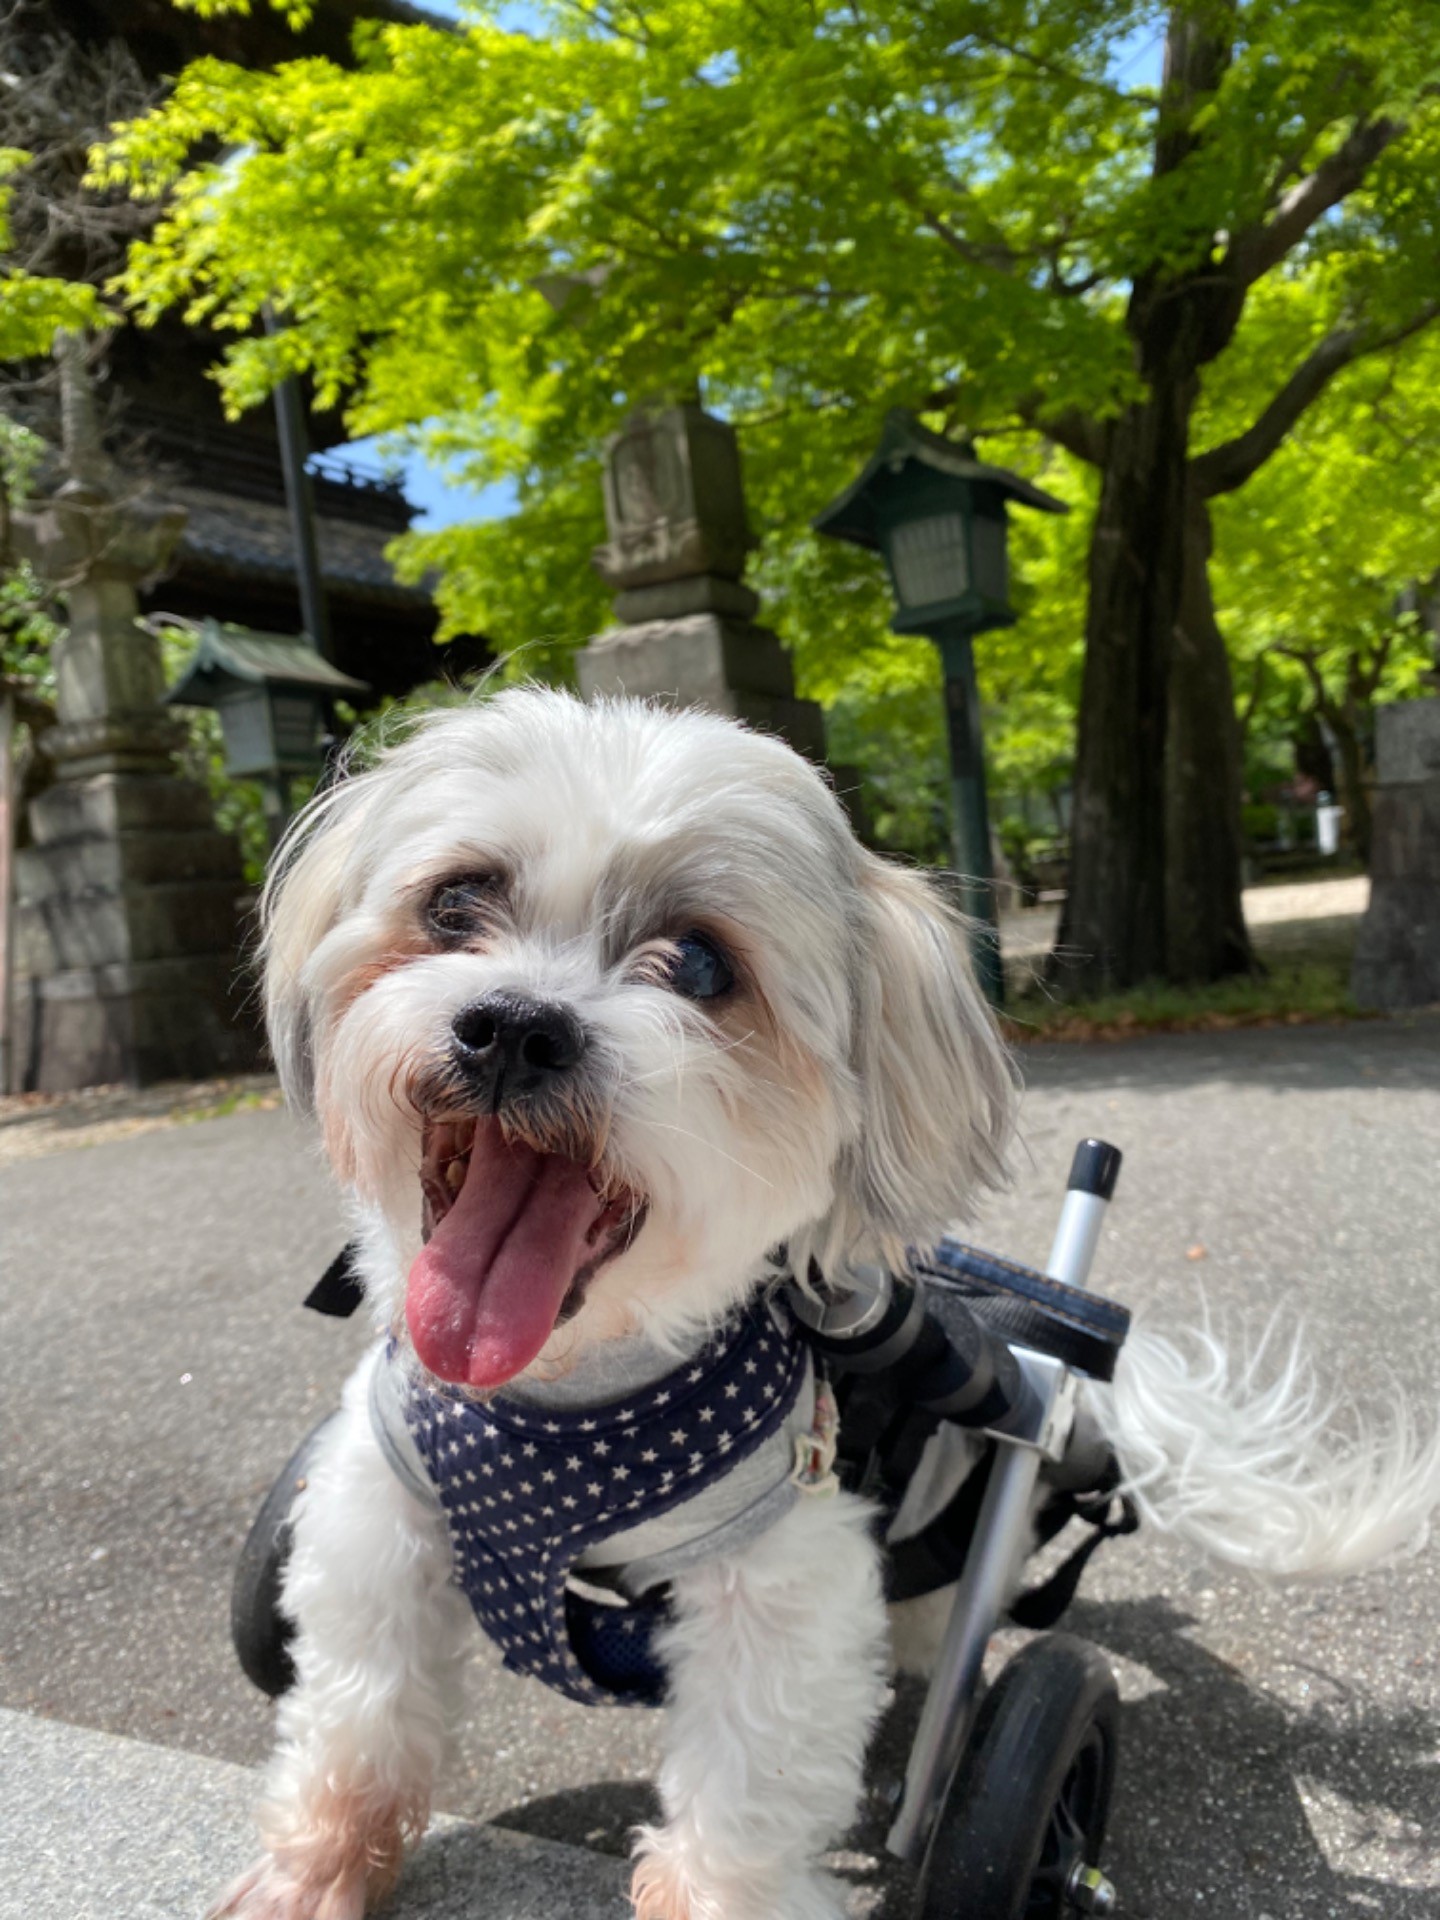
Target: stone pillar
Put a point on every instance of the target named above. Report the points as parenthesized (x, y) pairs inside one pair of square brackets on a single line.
[(127, 896), (1397, 952), (679, 538)]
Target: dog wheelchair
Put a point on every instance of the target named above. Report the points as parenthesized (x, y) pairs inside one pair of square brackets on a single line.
[(1007, 1789)]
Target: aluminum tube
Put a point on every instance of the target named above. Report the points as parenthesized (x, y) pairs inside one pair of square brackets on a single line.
[(1076, 1237), (1002, 1536)]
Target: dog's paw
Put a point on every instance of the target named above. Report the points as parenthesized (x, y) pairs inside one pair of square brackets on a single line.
[(270, 1890), (660, 1889)]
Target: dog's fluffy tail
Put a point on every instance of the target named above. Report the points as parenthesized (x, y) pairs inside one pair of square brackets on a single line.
[(1251, 1462)]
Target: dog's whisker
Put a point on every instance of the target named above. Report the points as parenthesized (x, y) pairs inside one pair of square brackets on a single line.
[(709, 1145)]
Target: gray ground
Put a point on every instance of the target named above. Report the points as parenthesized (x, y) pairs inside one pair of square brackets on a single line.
[(1282, 1748)]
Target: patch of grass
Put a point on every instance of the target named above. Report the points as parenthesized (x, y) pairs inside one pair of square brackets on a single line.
[(254, 1100), (1290, 996)]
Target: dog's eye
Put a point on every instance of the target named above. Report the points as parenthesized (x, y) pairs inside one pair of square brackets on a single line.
[(701, 970), (458, 909)]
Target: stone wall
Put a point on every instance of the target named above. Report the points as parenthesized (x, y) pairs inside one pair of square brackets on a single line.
[(1397, 952)]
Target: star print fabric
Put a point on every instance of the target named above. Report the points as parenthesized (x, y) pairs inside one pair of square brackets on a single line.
[(527, 1490)]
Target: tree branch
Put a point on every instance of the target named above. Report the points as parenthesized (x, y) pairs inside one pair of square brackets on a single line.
[(1252, 703), (1306, 659), (1071, 429), (1367, 681), (1259, 248), (1231, 464), (1077, 432), (994, 255), (1057, 70)]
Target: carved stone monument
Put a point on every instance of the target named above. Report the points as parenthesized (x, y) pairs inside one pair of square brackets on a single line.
[(679, 539), (126, 900), (1397, 954)]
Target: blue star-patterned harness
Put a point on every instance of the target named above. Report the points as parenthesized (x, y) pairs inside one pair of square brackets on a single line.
[(528, 1490)]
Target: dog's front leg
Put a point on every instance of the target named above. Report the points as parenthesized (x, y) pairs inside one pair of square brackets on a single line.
[(776, 1662), (378, 1626)]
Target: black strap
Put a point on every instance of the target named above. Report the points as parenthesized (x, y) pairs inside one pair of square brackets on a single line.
[(935, 1556), (1042, 1606), (338, 1291)]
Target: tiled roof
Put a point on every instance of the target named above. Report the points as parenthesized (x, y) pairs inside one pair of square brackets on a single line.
[(238, 538)]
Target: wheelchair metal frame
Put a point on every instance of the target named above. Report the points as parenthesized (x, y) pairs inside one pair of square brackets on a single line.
[(1000, 1543)]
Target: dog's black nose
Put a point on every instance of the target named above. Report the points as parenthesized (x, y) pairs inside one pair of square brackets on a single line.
[(511, 1043)]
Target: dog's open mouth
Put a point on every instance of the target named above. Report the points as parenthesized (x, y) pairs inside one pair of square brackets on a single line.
[(513, 1236)]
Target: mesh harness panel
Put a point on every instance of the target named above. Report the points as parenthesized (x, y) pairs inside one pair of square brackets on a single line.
[(527, 1490)]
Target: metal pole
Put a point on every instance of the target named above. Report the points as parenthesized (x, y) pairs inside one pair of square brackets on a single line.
[(1001, 1539), (275, 800), (7, 885), (300, 499), (970, 813)]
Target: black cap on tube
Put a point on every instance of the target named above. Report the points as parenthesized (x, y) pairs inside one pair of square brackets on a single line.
[(1095, 1168)]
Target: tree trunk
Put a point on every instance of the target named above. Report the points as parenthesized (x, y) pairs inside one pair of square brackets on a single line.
[(1112, 932), (1205, 936)]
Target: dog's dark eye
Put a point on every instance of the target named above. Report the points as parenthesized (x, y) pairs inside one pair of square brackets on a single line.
[(701, 970), (459, 909)]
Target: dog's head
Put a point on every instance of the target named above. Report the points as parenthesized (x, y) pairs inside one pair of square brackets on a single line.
[(597, 1006)]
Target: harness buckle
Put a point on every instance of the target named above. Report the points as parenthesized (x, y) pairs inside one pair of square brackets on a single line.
[(814, 1469)]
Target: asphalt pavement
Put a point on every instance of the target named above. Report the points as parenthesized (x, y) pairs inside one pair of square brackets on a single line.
[(1281, 1746)]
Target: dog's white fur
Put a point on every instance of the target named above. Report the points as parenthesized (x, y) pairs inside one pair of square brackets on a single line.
[(850, 1100)]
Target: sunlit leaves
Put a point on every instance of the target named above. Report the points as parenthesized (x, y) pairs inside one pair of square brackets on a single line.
[(33, 307), (1320, 554), (500, 241)]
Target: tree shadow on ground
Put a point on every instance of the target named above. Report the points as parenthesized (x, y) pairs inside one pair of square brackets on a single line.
[(1210, 1814)]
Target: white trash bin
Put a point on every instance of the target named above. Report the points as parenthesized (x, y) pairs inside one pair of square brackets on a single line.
[(1327, 825)]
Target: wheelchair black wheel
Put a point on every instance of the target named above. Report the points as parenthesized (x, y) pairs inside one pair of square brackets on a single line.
[(258, 1629), (1019, 1833)]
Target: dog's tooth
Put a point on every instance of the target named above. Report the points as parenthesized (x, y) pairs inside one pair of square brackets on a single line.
[(455, 1175)]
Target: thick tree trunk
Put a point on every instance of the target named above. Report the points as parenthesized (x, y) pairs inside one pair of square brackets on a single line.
[(1112, 932), (1205, 937), (1124, 922)]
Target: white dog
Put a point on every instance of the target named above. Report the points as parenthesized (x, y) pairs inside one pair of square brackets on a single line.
[(608, 1021)]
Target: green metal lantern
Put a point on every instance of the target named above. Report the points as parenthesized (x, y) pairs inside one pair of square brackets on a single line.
[(273, 694), (937, 515)]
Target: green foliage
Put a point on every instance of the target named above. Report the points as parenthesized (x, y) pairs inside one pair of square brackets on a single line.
[(28, 628), (520, 234), (34, 307), (21, 452), (297, 13), (497, 242), (1289, 996), (525, 577), (1316, 557)]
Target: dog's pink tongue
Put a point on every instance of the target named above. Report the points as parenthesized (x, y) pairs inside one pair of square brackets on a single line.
[(487, 1288)]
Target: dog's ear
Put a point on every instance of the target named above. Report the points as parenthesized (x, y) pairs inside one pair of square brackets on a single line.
[(936, 1085), (305, 890)]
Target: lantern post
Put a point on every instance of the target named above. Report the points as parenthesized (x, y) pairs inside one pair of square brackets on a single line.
[(937, 515), (274, 695)]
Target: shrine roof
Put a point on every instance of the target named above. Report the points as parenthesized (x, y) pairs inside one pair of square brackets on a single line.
[(240, 538)]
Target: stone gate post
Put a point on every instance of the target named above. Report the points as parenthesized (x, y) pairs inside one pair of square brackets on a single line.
[(686, 632), (126, 898)]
